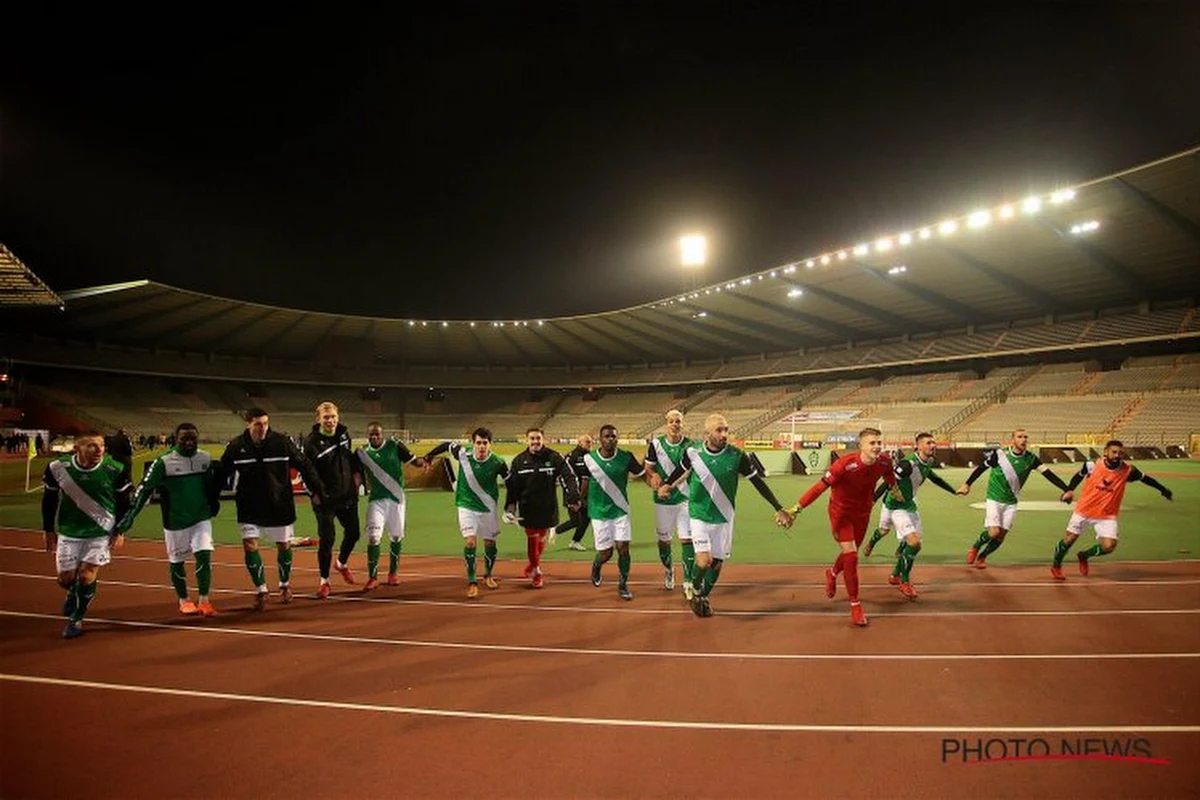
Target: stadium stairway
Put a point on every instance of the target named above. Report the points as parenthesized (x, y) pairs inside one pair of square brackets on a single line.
[(995, 395), (791, 404)]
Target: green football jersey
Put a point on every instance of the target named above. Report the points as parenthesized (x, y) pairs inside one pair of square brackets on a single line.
[(608, 487), (87, 497), (663, 457), (1009, 473), (183, 484), (385, 469), (909, 484), (478, 481), (713, 482)]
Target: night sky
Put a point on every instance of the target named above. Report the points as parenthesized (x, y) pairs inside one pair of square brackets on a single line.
[(538, 160)]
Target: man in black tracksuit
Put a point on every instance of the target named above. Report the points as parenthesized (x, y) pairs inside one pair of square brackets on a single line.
[(329, 448), (261, 458), (579, 520), (532, 497)]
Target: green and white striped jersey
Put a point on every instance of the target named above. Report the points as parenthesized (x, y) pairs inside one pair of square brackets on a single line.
[(384, 468), (478, 481), (713, 482), (184, 488), (608, 487), (663, 457), (908, 483), (1009, 473), (87, 498)]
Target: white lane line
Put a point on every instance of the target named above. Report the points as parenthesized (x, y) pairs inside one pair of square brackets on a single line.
[(586, 651), (931, 586), (751, 727), (486, 605)]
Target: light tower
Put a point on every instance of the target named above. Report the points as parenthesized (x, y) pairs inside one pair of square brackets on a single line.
[(693, 253)]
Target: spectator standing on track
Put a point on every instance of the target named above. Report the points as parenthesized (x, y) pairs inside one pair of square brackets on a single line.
[(1099, 504), (477, 498), (265, 504), (663, 453), (531, 497), (188, 498), (329, 449), (713, 468), (120, 448), (1010, 468), (912, 471), (383, 465), (853, 478), (578, 520), (85, 494), (608, 498)]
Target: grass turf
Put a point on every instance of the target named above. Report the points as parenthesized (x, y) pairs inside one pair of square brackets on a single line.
[(1151, 527)]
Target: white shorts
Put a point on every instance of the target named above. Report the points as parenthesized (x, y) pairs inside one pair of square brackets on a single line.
[(478, 523), (1105, 528), (671, 519), (999, 515), (607, 531), (274, 533), (906, 523), (716, 540), (71, 552), (181, 544), (385, 514)]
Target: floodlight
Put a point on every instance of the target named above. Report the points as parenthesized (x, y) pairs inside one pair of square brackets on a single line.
[(809, 263), (824, 259), (693, 250), (1006, 212), (1085, 227), (947, 227), (979, 219), (883, 245), (842, 254), (904, 239), (897, 270), (1062, 196), (925, 233), (861, 249), (795, 292), (1032, 205)]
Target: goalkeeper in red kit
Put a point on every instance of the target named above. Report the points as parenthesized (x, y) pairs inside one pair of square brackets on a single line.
[(853, 479)]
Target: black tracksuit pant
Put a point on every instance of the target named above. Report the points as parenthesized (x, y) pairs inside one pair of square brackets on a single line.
[(345, 512)]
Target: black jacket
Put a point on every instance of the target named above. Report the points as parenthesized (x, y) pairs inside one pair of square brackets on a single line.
[(532, 487), (333, 457), (264, 487), (575, 462)]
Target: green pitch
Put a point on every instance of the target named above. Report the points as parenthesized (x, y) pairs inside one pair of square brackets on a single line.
[(1151, 528)]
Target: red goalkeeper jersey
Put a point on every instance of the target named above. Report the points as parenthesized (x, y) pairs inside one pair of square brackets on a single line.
[(853, 485)]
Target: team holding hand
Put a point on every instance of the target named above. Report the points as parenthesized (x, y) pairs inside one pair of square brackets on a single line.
[(87, 506)]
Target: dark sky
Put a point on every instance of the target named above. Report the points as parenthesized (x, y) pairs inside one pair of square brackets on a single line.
[(536, 160)]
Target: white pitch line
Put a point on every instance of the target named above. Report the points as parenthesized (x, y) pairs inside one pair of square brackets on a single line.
[(586, 651), (485, 605), (750, 727), (933, 585)]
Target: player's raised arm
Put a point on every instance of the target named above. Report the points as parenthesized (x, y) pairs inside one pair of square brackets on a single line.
[(1049, 475), (939, 482), (831, 476)]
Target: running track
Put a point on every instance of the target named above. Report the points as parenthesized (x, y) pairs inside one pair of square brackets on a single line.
[(568, 692)]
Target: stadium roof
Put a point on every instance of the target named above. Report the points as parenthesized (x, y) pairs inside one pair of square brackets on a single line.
[(1117, 241), (20, 287)]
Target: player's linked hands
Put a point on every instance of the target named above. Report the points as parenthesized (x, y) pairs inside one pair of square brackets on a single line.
[(50, 541), (663, 491), (116, 539), (1167, 493), (784, 519), (510, 517), (963, 490), (1067, 496)]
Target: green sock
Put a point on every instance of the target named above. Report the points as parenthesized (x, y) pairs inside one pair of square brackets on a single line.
[(1095, 551), (624, 559), (688, 556), (285, 566), (254, 566), (203, 572), (699, 573), (469, 557), (394, 555), (878, 534), (489, 556), (983, 539), (905, 563), (179, 579), (1060, 551), (992, 546), (373, 549), (85, 593), (664, 554), (710, 576)]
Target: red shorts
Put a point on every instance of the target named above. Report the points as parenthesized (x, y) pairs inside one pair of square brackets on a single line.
[(850, 529), (536, 531)]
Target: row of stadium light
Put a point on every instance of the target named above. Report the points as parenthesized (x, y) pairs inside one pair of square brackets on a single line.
[(517, 323), (975, 220)]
